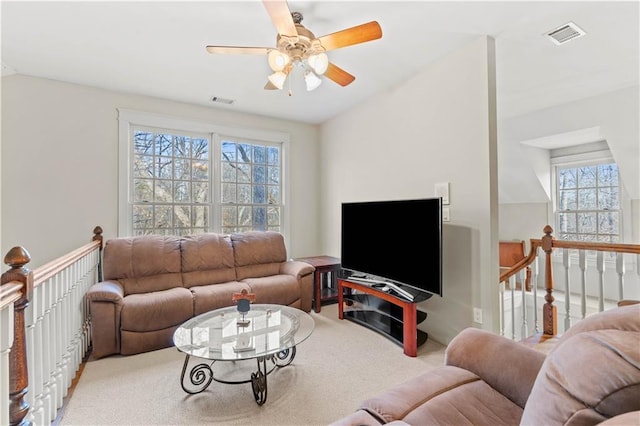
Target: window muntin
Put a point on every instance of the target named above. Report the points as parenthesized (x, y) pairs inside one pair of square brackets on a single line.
[(170, 182), (250, 186), (588, 200)]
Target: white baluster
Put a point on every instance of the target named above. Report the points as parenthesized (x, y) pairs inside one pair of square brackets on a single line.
[(47, 390), (512, 287), (523, 291), (620, 272), (582, 262), (501, 301), (600, 268), (566, 263), (37, 386), (6, 342), (58, 338)]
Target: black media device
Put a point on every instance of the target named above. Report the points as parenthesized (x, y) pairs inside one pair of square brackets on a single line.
[(397, 242)]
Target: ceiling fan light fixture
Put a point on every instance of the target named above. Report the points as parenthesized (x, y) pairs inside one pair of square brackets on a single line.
[(277, 79), (278, 60), (311, 80), (319, 63)]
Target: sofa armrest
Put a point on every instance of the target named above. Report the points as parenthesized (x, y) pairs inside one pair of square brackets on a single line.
[(358, 418), (106, 291), (507, 366), (105, 304), (296, 268), (626, 419)]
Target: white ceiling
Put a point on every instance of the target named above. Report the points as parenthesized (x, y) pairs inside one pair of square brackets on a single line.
[(158, 49)]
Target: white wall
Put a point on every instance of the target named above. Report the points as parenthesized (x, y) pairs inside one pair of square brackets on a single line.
[(523, 221), (60, 164), (616, 115), (438, 126)]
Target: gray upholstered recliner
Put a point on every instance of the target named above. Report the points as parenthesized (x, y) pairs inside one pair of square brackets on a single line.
[(591, 375)]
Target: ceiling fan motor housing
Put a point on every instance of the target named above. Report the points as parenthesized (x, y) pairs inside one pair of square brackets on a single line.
[(299, 47)]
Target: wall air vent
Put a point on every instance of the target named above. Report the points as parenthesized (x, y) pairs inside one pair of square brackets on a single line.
[(220, 100), (565, 33)]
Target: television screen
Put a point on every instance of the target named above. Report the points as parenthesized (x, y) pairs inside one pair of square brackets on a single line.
[(398, 241)]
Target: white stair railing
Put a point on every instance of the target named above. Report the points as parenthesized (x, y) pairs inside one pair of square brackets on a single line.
[(55, 328), (578, 263)]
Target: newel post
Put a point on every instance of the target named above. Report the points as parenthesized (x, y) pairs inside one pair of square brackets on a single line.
[(549, 311), (97, 236), (17, 258)]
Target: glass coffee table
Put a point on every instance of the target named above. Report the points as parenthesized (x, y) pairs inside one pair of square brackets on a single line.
[(267, 333)]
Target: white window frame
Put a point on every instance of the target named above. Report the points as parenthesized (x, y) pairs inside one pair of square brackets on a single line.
[(592, 157), (216, 150), (128, 118)]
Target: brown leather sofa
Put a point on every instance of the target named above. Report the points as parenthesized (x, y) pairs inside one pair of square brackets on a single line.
[(591, 376), (152, 284)]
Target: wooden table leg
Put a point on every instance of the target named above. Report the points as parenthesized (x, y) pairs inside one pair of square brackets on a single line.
[(409, 332), (340, 300), (317, 287)]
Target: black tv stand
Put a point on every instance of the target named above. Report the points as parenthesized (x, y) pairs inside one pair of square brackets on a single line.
[(395, 317)]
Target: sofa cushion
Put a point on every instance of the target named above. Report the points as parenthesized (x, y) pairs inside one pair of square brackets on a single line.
[(446, 395), (274, 289), (209, 297), (156, 310), (258, 253), (207, 259), (143, 264), (472, 404), (564, 394)]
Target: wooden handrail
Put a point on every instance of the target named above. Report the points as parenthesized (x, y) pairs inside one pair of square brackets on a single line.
[(10, 293), (577, 245)]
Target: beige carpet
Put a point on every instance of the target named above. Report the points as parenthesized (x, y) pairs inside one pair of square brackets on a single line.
[(338, 366)]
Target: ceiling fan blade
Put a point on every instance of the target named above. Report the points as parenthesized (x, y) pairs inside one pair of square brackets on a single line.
[(350, 36), (280, 15), (338, 75), (235, 50)]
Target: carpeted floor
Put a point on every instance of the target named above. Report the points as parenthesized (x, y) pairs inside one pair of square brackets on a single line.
[(338, 366)]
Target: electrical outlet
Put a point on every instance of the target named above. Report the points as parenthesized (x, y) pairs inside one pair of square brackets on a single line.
[(477, 315)]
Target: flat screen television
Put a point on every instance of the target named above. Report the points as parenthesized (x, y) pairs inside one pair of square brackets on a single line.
[(396, 241)]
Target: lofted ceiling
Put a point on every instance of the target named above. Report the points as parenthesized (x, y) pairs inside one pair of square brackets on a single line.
[(158, 49)]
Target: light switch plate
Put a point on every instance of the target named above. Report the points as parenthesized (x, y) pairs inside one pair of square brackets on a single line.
[(442, 190)]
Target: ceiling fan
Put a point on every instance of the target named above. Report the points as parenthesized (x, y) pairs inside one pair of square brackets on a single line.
[(296, 46)]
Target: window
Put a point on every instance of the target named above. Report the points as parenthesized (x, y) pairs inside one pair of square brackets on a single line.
[(250, 186), (171, 182), (588, 202), (183, 178)]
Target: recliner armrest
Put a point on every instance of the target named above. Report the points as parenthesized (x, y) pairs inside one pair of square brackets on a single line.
[(296, 268), (106, 291), (507, 366)]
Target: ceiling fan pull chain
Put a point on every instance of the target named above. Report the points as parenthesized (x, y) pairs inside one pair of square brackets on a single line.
[(289, 83)]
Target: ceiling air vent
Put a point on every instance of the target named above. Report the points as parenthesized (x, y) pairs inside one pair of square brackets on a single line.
[(220, 100), (565, 33)]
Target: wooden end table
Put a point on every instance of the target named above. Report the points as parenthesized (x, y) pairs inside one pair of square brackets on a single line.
[(327, 267)]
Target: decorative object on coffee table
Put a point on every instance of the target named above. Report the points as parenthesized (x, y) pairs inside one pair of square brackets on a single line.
[(243, 300)]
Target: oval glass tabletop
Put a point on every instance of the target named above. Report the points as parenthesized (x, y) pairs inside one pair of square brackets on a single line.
[(226, 335)]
